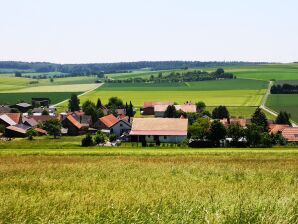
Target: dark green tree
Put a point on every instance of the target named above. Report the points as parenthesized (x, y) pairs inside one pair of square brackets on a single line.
[(220, 112), (236, 132), (45, 112), (31, 133), (115, 102), (217, 132), (74, 103), (253, 135), (87, 141), (99, 104), (260, 119), (199, 129), (201, 106), (283, 118), (170, 112), (53, 127)]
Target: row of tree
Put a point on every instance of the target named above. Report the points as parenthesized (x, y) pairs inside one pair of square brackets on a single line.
[(284, 89), (205, 133), (189, 76)]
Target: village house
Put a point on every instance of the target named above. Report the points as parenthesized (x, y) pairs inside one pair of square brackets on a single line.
[(76, 125), (148, 108), (277, 128), (40, 118), (241, 121), (17, 131), (159, 110), (159, 130), (30, 122), (113, 125), (6, 121), (290, 134)]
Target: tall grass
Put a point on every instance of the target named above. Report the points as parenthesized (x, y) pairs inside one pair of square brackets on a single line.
[(220, 187)]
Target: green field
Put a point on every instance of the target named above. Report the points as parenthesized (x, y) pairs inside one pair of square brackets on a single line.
[(246, 94), (284, 102), (13, 98), (99, 185)]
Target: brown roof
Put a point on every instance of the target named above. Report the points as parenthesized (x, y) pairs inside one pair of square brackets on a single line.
[(242, 122), (17, 129), (275, 128), (30, 121), (16, 117), (41, 118), (159, 126), (42, 131), (109, 120), (7, 119), (74, 121), (152, 104), (291, 134), (187, 108)]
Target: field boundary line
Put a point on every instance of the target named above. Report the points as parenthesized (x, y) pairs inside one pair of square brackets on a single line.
[(84, 93)]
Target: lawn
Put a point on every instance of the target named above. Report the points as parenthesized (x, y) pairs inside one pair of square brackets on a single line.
[(128, 185), (284, 102)]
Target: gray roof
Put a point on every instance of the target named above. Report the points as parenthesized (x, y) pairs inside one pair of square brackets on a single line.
[(24, 105)]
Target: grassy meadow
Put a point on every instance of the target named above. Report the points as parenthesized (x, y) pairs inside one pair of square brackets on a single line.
[(100, 185), (284, 102)]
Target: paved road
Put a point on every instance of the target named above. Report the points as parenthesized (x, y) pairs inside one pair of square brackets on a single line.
[(99, 85), (263, 104)]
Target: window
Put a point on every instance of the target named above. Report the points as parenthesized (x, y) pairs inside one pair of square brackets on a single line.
[(121, 125), (164, 137)]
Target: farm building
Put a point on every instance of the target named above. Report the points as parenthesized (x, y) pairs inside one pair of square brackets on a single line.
[(291, 134), (17, 131), (148, 108), (41, 102), (23, 107), (74, 127), (277, 128), (159, 130), (241, 121), (159, 110), (30, 122), (6, 121), (114, 125), (40, 118)]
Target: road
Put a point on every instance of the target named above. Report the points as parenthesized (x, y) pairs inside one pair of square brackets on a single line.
[(268, 110), (64, 101)]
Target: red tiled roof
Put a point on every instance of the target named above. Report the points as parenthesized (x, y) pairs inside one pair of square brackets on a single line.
[(78, 113), (291, 134), (74, 121), (109, 120), (16, 117), (275, 128)]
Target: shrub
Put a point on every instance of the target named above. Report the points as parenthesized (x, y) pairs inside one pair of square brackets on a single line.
[(100, 138), (87, 141), (112, 137)]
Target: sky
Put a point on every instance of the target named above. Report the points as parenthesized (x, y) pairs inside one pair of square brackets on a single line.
[(95, 31)]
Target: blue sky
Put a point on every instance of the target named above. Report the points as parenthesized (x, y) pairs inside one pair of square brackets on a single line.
[(84, 31)]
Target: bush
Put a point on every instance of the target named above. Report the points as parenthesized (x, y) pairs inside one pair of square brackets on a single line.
[(100, 138), (112, 137), (87, 141)]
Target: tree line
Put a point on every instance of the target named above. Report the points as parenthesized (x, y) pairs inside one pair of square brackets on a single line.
[(189, 76), (284, 89), (113, 67)]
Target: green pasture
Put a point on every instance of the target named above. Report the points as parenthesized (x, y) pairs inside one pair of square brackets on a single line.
[(55, 88), (136, 185), (284, 102), (266, 72), (13, 98), (232, 84)]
